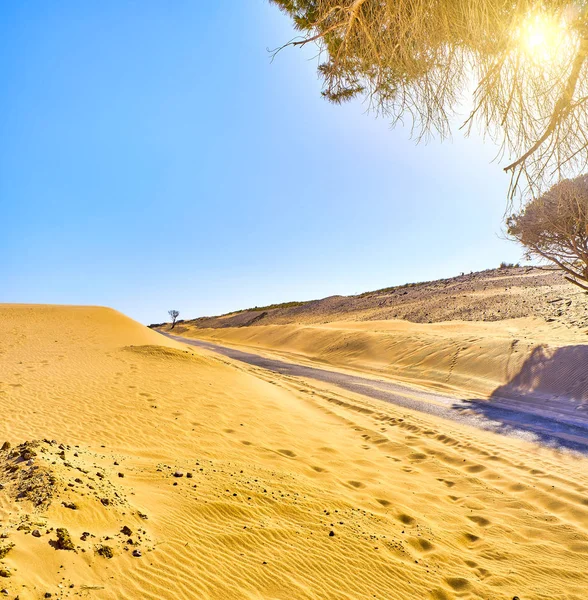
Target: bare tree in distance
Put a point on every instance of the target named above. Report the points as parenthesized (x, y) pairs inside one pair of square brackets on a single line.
[(174, 314), (521, 65), (554, 227)]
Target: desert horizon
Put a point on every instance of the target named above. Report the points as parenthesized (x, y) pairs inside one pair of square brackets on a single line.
[(272, 474), (449, 455), (294, 300)]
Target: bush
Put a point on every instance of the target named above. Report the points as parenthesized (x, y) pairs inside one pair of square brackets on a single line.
[(554, 227)]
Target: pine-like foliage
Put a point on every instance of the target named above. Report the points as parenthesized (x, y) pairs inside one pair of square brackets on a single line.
[(421, 59)]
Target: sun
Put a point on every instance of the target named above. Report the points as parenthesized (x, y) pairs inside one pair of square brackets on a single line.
[(543, 37)]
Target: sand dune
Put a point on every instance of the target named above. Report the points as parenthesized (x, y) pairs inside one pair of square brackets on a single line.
[(488, 296), (510, 358), (237, 483), (506, 332)]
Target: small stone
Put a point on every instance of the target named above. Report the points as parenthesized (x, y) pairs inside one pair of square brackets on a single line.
[(70, 505), (4, 550), (4, 591), (4, 572), (331, 533), (63, 539), (189, 475), (126, 530), (105, 551), (121, 474), (137, 553), (36, 533), (6, 446), (178, 474), (105, 501), (48, 594)]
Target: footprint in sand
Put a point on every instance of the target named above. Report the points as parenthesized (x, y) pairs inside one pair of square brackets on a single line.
[(448, 483), (287, 453), (476, 469), (417, 456), (317, 469), (406, 519), (420, 544), (458, 583), (446, 439), (481, 521), (356, 484)]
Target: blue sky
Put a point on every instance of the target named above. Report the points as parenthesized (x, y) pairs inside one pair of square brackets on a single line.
[(152, 157)]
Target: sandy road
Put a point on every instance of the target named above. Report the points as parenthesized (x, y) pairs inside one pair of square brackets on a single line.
[(533, 419)]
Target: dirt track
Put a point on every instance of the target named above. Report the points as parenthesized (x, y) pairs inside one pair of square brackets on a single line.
[(563, 425)]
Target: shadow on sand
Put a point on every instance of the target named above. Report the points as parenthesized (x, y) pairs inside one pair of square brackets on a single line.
[(546, 401)]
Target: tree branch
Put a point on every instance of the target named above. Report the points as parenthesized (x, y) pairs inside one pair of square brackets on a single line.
[(584, 287), (561, 107)]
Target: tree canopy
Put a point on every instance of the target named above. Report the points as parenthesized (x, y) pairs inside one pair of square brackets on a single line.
[(174, 314), (554, 226), (520, 64)]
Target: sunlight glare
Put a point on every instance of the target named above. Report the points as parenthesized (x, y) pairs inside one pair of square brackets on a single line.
[(542, 37)]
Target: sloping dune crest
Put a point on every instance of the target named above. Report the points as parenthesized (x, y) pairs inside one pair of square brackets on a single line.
[(139, 468), (514, 357)]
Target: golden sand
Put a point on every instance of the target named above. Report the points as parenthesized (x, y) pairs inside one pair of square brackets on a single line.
[(471, 358), (418, 507)]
